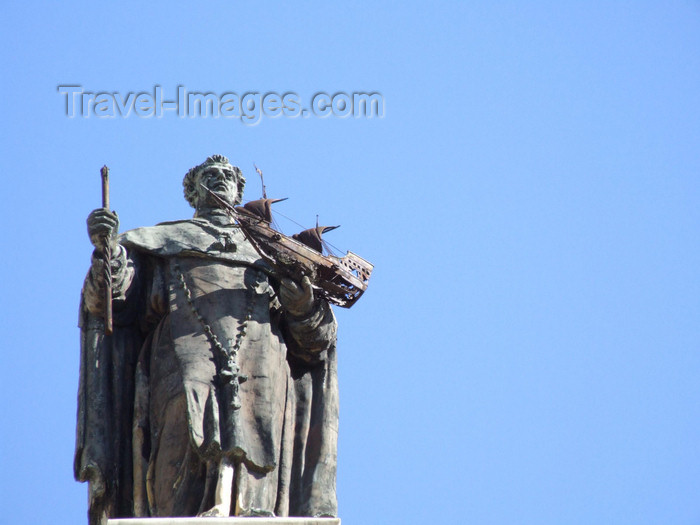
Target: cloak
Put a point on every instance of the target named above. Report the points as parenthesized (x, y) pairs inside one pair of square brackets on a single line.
[(286, 369)]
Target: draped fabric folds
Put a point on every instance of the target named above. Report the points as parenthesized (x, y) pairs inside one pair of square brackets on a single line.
[(203, 364)]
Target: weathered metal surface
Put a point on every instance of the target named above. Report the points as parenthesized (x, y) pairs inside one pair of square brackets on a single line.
[(217, 393)]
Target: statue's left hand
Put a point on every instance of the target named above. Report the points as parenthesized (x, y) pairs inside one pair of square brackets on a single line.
[(296, 298)]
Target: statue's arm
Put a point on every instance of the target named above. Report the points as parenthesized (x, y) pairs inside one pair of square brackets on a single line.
[(122, 271), (102, 227), (309, 319), (316, 331)]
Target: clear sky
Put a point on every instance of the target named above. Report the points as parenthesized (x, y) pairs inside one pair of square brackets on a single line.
[(528, 351)]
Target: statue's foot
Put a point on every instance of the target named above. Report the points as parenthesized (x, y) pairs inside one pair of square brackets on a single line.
[(217, 511)]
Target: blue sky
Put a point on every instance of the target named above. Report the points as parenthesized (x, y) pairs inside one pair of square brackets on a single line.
[(528, 351)]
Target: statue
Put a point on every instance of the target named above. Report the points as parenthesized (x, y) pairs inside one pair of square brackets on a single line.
[(216, 393)]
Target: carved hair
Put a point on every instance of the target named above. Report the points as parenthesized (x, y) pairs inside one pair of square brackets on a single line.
[(190, 181)]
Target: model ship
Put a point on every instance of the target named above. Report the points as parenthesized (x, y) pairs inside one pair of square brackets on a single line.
[(342, 280)]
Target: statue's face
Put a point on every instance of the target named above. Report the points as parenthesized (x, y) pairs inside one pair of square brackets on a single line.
[(220, 181)]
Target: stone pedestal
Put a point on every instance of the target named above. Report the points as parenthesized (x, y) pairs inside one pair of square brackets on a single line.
[(224, 521)]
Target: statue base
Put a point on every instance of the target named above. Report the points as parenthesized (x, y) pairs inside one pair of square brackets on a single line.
[(224, 521)]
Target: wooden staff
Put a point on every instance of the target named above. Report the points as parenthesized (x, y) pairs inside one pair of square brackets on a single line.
[(107, 253)]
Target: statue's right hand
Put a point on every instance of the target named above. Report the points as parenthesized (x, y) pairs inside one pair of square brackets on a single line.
[(103, 226)]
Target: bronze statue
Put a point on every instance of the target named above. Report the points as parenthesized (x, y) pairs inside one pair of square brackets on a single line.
[(216, 393)]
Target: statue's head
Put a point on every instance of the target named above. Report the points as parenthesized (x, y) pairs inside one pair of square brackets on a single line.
[(217, 174)]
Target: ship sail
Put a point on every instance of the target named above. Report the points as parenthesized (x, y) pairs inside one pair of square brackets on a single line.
[(313, 237), (260, 208)]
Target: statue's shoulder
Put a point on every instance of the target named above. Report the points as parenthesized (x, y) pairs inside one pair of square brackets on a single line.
[(169, 238), (191, 237)]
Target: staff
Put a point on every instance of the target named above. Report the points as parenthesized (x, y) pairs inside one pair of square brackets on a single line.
[(107, 253)]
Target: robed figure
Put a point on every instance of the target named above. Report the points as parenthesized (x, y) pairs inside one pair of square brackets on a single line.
[(216, 394)]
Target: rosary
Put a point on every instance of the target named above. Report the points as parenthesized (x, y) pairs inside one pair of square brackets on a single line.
[(227, 367)]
